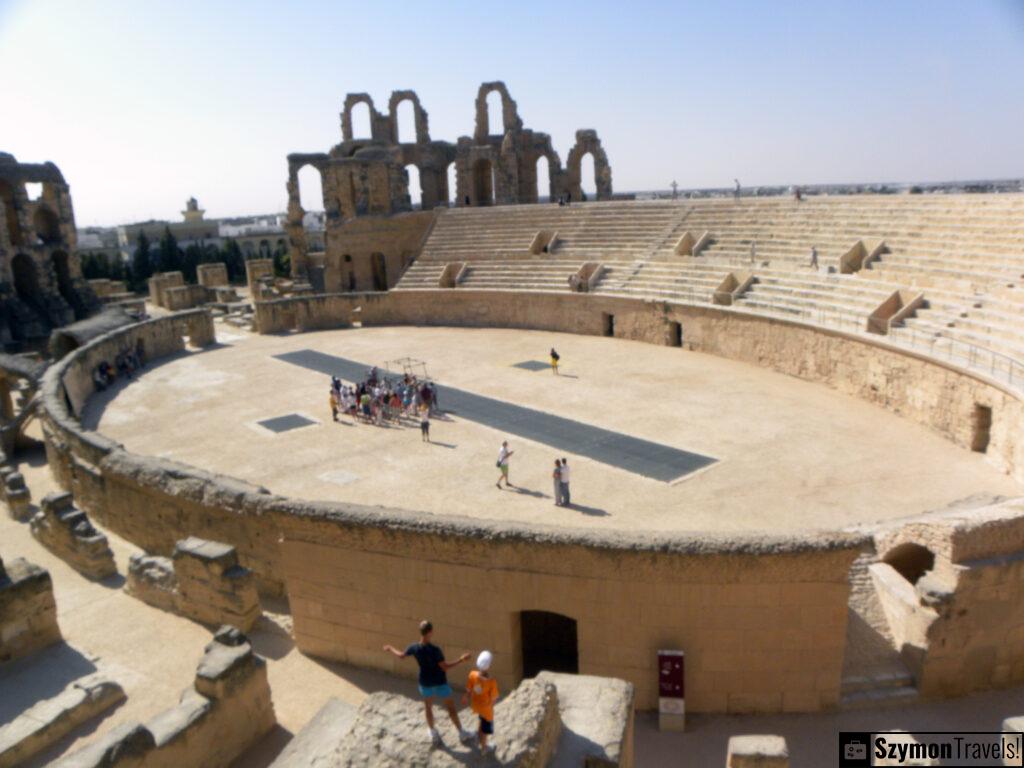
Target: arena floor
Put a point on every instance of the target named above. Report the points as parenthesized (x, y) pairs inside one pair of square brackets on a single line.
[(788, 455)]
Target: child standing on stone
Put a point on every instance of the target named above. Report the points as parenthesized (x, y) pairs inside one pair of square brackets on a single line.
[(482, 692)]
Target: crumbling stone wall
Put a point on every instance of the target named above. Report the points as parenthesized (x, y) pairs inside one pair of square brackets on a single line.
[(202, 581), (28, 613), (366, 175), (960, 625), (212, 275), (226, 711), (41, 283), (66, 531), (160, 282)]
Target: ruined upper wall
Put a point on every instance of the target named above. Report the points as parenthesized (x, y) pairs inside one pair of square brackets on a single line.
[(366, 175), (41, 283)]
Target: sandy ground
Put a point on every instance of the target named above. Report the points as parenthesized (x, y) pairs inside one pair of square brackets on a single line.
[(792, 455)]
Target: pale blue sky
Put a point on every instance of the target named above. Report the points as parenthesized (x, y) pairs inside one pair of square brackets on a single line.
[(145, 102)]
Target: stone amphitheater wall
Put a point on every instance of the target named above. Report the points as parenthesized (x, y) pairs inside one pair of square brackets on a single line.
[(357, 577), (762, 620)]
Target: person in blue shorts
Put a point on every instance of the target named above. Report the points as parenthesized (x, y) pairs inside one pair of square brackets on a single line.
[(433, 679)]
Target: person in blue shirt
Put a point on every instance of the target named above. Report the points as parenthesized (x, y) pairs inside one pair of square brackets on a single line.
[(433, 679)]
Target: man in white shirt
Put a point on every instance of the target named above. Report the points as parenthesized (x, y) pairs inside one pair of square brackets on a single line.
[(563, 481), (503, 456)]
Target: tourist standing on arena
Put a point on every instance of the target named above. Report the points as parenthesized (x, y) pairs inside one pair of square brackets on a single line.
[(736, 192), (556, 478), (425, 426), (563, 479), (481, 693), (814, 257), (433, 678), (503, 456), (554, 360)]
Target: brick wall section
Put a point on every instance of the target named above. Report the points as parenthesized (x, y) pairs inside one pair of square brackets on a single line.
[(763, 631)]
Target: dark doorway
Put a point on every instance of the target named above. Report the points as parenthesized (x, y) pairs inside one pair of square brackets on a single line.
[(483, 183), (982, 428), (609, 324), (675, 334), (380, 271), (549, 642), (26, 280)]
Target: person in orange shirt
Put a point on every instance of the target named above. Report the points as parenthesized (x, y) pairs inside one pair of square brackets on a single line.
[(482, 692)]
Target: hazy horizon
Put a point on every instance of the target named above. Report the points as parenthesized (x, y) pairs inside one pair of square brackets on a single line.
[(144, 105)]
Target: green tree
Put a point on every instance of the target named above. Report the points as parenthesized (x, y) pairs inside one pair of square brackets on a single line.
[(192, 258), (282, 261), (170, 257), (233, 260), (142, 263)]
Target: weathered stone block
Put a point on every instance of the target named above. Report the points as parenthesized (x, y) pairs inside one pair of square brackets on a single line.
[(18, 496), (757, 751), (28, 613), (151, 579), (46, 722), (66, 531)]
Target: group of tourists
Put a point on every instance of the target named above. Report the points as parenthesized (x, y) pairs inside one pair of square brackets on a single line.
[(481, 688), (378, 399), (126, 363)]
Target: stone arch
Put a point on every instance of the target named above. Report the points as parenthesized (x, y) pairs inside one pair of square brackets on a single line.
[(910, 560), (414, 180), (543, 184), (419, 116), (587, 142), (346, 116), (298, 247), (510, 119), (46, 225)]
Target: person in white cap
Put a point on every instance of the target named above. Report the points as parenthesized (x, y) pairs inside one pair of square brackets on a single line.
[(482, 692)]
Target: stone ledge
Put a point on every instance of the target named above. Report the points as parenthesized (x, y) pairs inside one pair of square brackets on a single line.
[(757, 751), (46, 722), (202, 730)]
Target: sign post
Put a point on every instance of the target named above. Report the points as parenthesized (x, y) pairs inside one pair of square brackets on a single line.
[(671, 691)]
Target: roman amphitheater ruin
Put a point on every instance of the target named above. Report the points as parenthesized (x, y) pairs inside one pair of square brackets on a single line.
[(802, 477)]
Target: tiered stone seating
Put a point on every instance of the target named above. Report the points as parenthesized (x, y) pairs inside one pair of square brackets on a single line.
[(964, 253), (814, 294), (526, 275), (585, 231), (422, 274), (689, 282)]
